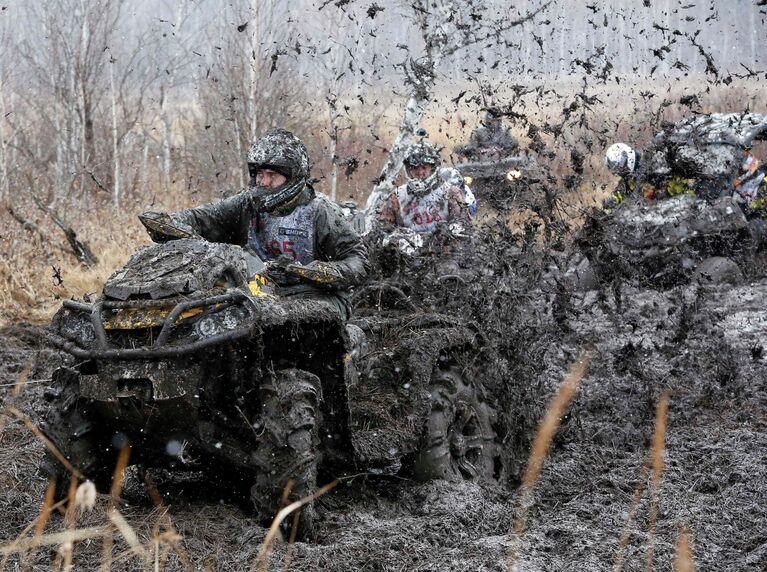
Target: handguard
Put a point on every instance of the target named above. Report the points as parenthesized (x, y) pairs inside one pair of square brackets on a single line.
[(161, 227)]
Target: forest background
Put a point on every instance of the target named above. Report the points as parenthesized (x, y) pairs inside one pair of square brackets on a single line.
[(109, 108)]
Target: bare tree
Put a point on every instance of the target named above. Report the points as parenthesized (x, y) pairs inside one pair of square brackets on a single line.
[(247, 86), (446, 26)]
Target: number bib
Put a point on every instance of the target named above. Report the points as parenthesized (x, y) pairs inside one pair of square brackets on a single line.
[(293, 234), (422, 214)]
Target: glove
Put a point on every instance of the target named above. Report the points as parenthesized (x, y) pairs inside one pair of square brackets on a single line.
[(161, 227), (316, 272), (457, 230), (277, 271)]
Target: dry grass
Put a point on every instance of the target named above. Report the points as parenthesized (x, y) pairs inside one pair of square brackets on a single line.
[(683, 560), (652, 468), (540, 450), (658, 449)]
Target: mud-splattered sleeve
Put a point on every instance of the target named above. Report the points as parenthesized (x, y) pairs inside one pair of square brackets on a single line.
[(457, 209), (216, 222), (340, 245), (389, 212)]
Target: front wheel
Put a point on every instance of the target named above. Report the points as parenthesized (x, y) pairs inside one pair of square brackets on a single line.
[(460, 442), (288, 442), (78, 437)]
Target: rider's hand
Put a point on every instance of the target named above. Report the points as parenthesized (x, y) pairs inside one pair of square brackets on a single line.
[(277, 271), (161, 227), (610, 203)]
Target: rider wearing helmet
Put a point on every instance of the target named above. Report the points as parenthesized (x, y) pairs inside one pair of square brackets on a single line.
[(491, 137), (426, 200), (311, 250), (622, 161)]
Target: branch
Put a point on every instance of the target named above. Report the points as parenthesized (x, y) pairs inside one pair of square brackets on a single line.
[(31, 227), (80, 249)]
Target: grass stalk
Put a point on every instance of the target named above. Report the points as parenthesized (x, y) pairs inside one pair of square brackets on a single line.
[(656, 455), (262, 560), (540, 449)]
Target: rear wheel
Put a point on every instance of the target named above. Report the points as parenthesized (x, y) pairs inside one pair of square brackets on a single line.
[(460, 442), (287, 446), (82, 441)]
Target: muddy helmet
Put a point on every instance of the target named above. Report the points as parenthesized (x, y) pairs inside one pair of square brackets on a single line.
[(281, 151), (491, 117), (422, 153), (620, 159)]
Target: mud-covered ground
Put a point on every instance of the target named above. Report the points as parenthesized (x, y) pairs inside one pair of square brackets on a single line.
[(705, 344)]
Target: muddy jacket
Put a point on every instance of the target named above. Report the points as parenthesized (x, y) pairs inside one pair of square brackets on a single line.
[(623, 190), (445, 204), (311, 230)]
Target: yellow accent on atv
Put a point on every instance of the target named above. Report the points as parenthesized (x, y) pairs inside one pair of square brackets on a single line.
[(138, 318), (677, 186), (259, 286)]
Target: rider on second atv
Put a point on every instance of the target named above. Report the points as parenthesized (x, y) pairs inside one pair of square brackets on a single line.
[(311, 249), (426, 201)]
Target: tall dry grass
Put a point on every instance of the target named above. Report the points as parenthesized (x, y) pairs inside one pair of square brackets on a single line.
[(540, 450)]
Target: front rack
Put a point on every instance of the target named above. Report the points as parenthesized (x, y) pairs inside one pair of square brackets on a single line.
[(159, 348)]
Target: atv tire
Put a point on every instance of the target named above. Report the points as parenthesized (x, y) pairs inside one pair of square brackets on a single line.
[(460, 442), (287, 445), (84, 444)]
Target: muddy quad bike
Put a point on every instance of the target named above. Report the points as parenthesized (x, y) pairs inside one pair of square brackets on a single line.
[(666, 243), (499, 180), (697, 228), (200, 370)]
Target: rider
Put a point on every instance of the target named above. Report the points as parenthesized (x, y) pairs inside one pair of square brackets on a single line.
[(751, 185), (427, 200), (623, 161), (490, 137), (310, 249)]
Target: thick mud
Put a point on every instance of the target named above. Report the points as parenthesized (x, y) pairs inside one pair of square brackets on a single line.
[(705, 344)]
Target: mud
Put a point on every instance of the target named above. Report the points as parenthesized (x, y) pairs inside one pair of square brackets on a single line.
[(703, 343)]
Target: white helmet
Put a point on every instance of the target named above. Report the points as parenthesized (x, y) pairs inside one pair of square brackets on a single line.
[(621, 159)]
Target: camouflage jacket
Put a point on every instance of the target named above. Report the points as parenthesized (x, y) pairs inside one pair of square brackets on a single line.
[(334, 240)]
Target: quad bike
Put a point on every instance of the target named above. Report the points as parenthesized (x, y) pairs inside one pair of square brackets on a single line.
[(500, 180), (697, 228), (668, 242), (200, 369)]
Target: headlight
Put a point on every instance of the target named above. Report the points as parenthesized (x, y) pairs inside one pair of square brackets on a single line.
[(513, 175), (467, 180)]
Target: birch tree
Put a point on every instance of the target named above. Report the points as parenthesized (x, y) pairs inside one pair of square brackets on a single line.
[(446, 27)]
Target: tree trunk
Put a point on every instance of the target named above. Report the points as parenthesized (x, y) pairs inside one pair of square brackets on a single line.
[(4, 184), (412, 117), (166, 139), (116, 189)]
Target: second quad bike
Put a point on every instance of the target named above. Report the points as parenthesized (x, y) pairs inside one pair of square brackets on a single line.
[(699, 225), (500, 180)]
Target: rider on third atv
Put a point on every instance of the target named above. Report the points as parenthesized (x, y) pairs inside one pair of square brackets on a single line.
[(490, 140), (622, 161), (311, 250), (427, 200)]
